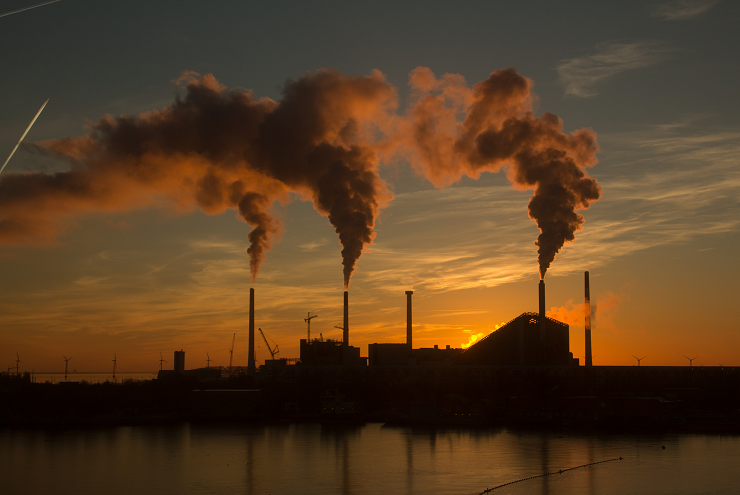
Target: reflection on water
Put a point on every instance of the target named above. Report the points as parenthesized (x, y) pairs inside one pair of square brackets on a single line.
[(366, 459)]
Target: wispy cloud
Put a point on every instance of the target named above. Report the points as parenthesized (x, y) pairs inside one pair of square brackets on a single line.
[(677, 10), (313, 245), (580, 75)]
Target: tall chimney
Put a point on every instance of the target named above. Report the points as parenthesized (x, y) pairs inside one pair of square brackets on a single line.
[(542, 311), (408, 319), (589, 360), (345, 337), (250, 359)]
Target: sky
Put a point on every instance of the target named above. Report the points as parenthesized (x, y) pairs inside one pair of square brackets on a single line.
[(147, 269)]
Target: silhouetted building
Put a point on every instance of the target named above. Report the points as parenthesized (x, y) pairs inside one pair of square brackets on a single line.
[(520, 343), (319, 352), (434, 355), (388, 354), (399, 355)]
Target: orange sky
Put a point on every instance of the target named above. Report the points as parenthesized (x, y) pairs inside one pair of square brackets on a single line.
[(132, 270)]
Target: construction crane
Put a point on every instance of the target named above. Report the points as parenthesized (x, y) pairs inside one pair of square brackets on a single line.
[(161, 360), (272, 351), (308, 323), (231, 353)]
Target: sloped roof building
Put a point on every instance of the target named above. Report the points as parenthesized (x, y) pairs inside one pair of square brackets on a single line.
[(522, 342)]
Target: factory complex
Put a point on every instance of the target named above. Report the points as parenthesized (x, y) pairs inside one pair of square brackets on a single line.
[(530, 339), (521, 374)]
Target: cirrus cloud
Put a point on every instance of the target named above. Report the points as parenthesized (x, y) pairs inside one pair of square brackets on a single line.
[(580, 75)]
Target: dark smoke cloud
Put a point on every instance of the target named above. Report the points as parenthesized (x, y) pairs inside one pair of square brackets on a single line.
[(500, 131), (252, 208), (215, 149)]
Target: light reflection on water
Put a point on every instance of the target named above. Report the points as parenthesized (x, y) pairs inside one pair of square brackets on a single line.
[(367, 459)]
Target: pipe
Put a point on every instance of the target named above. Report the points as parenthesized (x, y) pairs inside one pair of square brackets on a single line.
[(408, 319), (589, 360), (542, 311), (345, 337), (250, 359)]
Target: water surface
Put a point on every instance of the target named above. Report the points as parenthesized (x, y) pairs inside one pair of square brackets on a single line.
[(368, 459)]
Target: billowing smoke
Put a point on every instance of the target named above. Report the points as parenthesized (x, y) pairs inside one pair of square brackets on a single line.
[(216, 149), (498, 130), (252, 208)]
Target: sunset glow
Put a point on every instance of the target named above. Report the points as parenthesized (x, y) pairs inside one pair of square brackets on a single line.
[(304, 157)]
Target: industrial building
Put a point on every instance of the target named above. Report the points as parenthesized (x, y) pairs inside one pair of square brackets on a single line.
[(519, 343), (404, 354), (320, 352), (530, 339)]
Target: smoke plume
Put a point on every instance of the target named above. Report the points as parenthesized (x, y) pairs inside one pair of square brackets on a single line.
[(499, 130), (602, 311), (217, 149)]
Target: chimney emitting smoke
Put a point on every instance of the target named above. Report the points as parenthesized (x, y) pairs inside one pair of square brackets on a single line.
[(345, 336), (589, 360), (542, 311), (250, 359)]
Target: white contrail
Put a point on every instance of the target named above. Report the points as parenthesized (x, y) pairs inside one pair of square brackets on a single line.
[(29, 8), (24, 134)]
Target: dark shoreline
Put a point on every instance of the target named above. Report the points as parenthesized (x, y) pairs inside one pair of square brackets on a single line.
[(605, 399)]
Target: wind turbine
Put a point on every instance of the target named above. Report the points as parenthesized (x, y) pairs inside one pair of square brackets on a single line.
[(638, 359), (17, 362), (231, 353), (161, 360), (691, 360), (208, 360), (114, 367), (66, 365)]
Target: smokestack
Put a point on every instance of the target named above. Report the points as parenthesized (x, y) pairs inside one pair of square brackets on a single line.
[(179, 361), (589, 361), (250, 359), (408, 319), (542, 310), (345, 337)]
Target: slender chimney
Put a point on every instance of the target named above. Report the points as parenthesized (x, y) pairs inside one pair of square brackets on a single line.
[(589, 360), (250, 359), (345, 337), (408, 319), (542, 311)]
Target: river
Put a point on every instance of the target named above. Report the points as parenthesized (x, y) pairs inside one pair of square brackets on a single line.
[(309, 458)]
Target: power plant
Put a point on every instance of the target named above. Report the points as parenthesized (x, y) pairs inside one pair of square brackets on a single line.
[(530, 339), (523, 373)]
